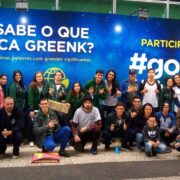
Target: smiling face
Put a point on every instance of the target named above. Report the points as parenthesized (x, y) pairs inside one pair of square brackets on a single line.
[(177, 79), (77, 88), (169, 83), (110, 76), (57, 77), (39, 78), (18, 77), (44, 106), (147, 111), (3, 80), (99, 77)]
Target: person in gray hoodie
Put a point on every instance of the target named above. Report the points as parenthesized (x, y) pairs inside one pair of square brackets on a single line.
[(152, 139)]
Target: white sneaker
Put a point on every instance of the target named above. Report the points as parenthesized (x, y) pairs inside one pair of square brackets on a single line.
[(31, 144), (15, 157)]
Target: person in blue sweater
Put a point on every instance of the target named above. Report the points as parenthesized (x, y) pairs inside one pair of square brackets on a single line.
[(129, 88), (167, 123)]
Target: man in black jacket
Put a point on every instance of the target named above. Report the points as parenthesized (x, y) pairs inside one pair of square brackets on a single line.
[(11, 124)]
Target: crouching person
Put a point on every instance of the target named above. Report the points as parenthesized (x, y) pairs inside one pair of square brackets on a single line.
[(117, 127), (151, 136), (11, 124), (48, 132), (86, 126)]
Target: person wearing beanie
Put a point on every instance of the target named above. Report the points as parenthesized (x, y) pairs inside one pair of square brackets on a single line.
[(86, 126)]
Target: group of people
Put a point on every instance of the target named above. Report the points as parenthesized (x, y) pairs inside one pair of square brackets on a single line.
[(144, 113)]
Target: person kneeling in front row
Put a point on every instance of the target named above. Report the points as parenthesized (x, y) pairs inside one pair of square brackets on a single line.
[(86, 126), (11, 124), (48, 132), (151, 136)]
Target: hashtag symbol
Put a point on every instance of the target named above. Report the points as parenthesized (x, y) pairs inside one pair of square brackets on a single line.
[(138, 63)]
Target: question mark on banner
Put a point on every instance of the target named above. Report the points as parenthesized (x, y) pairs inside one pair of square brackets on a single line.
[(91, 46)]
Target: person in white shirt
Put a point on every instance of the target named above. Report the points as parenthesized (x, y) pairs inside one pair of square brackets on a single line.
[(86, 126), (150, 90)]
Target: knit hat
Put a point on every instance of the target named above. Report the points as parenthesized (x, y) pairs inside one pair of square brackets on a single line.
[(87, 98)]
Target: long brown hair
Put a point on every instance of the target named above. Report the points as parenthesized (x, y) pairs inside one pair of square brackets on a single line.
[(34, 84)]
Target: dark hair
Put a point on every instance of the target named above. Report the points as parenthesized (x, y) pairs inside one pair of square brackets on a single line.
[(33, 84), (115, 85), (100, 71), (136, 97), (3, 86), (152, 116), (87, 98), (163, 104), (21, 83), (120, 104), (151, 69), (58, 72), (177, 74), (43, 99), (73, 93), (144, 106), (1, 75), (167, 78)]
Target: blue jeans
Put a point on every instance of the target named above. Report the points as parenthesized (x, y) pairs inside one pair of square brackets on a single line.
[(161, 148), (139, 140), (61, 136)]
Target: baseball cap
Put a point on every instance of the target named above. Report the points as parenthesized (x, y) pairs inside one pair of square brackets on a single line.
[(132, 71)]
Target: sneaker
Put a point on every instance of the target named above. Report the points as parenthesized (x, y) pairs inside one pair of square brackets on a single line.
[(106, 147), (148, 154), (64, 153), (94, 150), (2, 155), (126, 148), (31, 144), (15, 157), (16, 151), (44, 151), (154, 153), (78, 147), (168, 150)]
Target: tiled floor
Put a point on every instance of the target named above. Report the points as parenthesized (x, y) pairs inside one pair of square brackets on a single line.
[(82, 158)]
